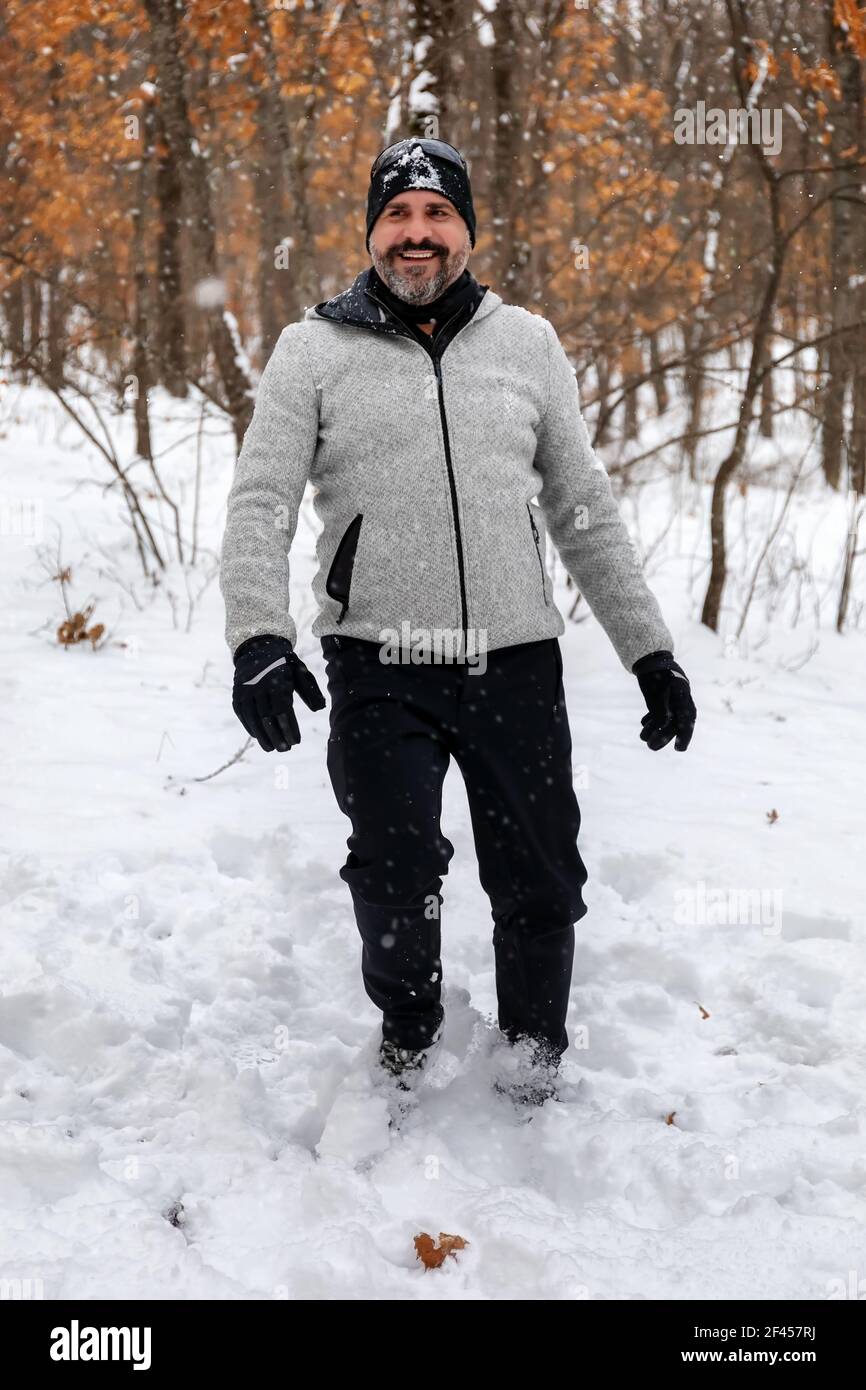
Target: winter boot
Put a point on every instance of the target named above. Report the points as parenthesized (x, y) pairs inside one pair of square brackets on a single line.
[(402, 1066), (402, 1063), (533, 1074)]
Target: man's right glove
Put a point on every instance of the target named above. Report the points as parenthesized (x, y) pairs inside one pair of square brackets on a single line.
[(670, 707), (267, 674)]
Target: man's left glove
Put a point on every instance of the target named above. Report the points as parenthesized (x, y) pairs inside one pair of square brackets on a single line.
[(267, 675), (671, 710)]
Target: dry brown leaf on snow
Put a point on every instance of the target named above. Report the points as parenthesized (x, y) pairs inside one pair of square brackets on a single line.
[(75, 629), (432, 1255)]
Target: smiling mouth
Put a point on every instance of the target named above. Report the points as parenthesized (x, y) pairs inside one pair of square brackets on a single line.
[(417, 255)]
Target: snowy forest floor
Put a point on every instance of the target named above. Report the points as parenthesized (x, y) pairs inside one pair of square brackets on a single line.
[(186, 1104)]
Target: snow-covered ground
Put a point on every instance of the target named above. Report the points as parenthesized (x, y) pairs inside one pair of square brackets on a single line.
[(186, 1103)]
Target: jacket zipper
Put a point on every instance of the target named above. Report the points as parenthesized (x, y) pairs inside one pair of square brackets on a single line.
[(451, 483), (538, 552), (460, 562)]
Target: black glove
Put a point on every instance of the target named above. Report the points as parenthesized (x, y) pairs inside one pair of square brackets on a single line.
[(666, 689), (267, 674)]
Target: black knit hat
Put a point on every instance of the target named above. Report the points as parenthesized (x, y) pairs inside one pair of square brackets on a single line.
[(420, 163)]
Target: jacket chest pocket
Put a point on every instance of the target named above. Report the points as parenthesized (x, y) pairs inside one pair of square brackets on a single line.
[(339, 581)]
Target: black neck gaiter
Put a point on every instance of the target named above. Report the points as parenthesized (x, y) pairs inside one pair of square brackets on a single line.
[(454, 297)]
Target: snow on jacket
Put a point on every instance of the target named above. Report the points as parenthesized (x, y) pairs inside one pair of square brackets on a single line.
[(425, 470)]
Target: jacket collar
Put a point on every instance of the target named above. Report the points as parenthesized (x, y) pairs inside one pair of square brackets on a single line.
[(356, 306)]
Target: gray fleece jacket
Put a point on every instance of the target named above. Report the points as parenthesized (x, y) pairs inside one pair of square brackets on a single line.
[(424, 479)]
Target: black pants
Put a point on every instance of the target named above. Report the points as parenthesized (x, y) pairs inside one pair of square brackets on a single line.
[(393, 729)]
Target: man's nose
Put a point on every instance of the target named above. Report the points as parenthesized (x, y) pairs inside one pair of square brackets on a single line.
[(418, 230)]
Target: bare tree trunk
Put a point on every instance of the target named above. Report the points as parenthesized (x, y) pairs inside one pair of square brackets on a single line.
[(694, 382), (397, 40), (632, 364), (13, 313), (603, 428), (536, 274), (845, 305), (768, 400), (857, 452), (505, 182), (33, 293), (141, 359), (741, 48), (700, 331), (273, 276), (163, 17), (848, 568), (54, 346), (434, 28), (660, 386), (169, 333), (304, 286)]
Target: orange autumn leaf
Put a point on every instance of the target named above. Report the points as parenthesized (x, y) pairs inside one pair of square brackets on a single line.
[(432, 1255), (75, 629)]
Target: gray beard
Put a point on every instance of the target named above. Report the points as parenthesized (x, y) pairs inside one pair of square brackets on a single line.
[(413, 291)]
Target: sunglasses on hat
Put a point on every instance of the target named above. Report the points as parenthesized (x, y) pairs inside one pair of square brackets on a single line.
[(440, 148)]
